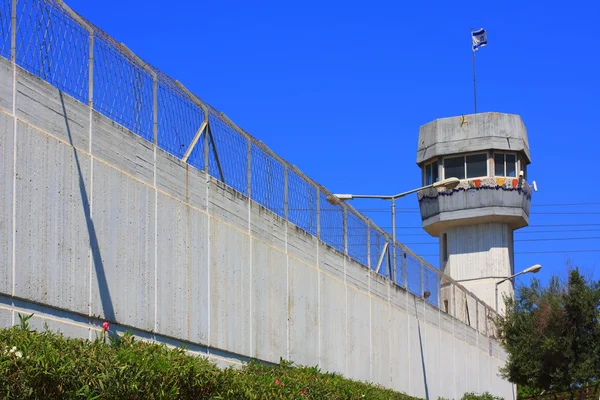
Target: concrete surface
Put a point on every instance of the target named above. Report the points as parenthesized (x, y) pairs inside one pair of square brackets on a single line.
[(474, 132)]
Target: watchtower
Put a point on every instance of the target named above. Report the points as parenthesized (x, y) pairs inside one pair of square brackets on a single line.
[(489, 153)]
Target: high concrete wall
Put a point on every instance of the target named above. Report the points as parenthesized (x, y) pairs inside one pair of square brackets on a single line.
[(98, 224)]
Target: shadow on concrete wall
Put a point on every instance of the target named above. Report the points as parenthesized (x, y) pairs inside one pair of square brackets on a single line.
[(107, 306), (421, 347)]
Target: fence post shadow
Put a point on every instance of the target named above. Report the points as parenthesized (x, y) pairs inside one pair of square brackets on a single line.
[(421, 349), (104, 291)]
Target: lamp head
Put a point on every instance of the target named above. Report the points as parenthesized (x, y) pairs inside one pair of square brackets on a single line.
[(533, 269), (336, 199), (448, 184), (426, 294)]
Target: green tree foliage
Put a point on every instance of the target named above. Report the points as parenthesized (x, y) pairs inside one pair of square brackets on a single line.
[(552, 334)]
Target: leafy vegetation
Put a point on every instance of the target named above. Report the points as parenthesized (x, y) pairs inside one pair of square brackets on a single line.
[(47, 365), (484, 396), (552, 334)]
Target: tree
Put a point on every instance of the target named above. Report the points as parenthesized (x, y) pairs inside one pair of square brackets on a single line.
[(552, 334)]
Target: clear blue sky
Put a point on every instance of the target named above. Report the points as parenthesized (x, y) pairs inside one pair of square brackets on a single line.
[(340, 88)]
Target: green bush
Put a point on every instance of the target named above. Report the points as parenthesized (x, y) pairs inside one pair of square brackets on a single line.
[(526, 391), (48, 365), (475, 396), (483, 396)]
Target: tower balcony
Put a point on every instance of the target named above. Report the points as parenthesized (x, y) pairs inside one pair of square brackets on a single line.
[(476, 201)]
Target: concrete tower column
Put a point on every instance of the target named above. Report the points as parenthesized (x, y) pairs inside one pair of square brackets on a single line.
[(475, 222)]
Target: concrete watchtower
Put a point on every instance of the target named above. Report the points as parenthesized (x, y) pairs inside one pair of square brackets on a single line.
[(489, 153)]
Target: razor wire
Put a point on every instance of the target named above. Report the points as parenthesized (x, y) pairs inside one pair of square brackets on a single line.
[(54, 43)]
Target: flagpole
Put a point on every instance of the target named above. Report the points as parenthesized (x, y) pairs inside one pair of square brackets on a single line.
[(474, 76)]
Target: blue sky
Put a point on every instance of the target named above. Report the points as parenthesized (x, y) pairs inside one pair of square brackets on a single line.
[(340, 89)]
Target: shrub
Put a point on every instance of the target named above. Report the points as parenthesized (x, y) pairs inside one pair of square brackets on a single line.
[(48, 365), (483, 396)]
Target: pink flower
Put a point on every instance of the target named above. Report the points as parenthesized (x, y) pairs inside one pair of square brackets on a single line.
[(277, 381), (106, 326), (303, 393)]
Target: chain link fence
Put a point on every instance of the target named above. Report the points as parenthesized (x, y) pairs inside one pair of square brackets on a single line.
[(62, 48)]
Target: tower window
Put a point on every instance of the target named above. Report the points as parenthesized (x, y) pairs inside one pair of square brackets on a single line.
[(476, 165), (431, 173), (470, 166), (454, 167), (505, 164)]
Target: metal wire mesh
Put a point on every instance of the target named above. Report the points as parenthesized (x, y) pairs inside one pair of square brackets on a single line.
[(5, 28), (378, 241), (302, 203), (179, 120), (268, 181), (123, 90), (431, 285), (400, 262), (357, 238), (332, 223), (232, 150), (52, 46), (413, 275)]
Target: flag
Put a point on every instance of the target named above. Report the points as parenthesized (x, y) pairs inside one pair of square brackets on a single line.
[(479, 38)]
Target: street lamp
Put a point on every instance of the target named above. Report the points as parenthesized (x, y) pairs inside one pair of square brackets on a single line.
[(448, 184), (533, 269)]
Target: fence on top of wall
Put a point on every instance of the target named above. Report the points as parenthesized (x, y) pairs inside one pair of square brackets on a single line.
[(48, 39)]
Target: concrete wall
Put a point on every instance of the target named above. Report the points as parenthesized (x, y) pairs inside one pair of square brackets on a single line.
[(97, 224)]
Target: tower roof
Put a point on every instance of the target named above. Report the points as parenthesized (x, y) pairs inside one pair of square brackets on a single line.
[(474, 132)]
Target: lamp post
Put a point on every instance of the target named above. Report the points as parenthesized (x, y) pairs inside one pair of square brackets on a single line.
[(449, 184), (533, 269)]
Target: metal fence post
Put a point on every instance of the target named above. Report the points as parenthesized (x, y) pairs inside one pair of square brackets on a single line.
[(318, 214), (405, 270), (13, 32), (249, 169), (369, 244), (155, 108), (206, 144), (286, 193), (439, 291), (345, 222), (477, 316), (91, 71), (454, 313), (394, 266), (422, 279)]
